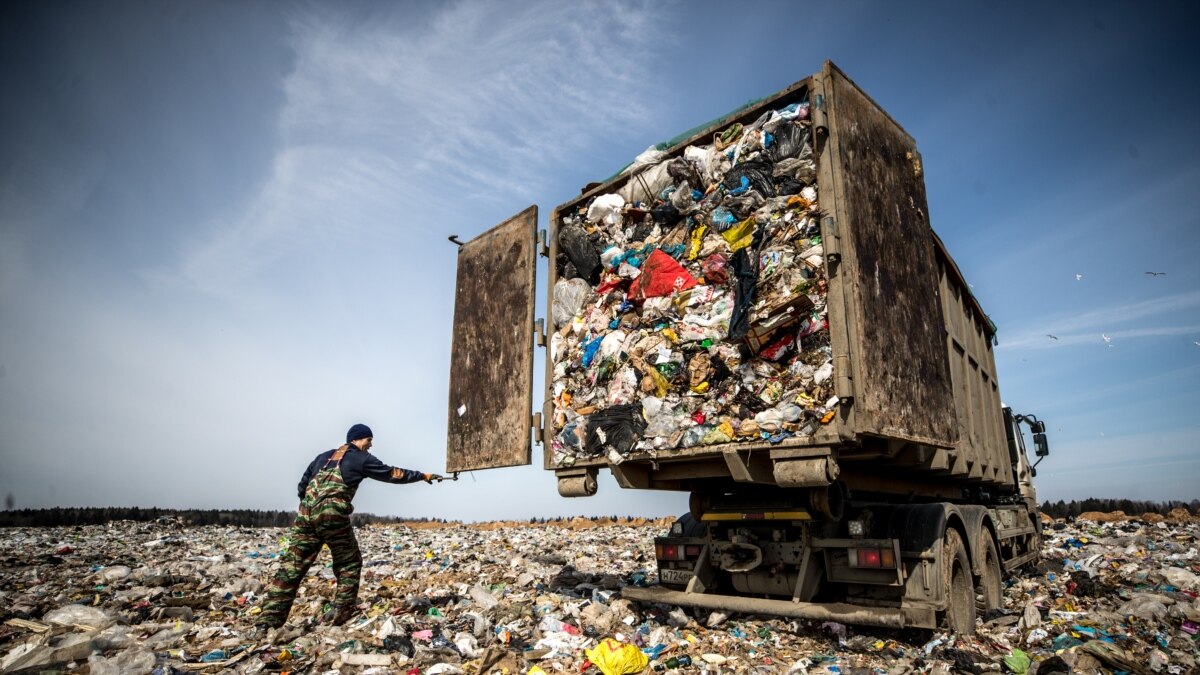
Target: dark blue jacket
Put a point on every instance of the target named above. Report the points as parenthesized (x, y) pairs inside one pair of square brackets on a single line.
[(357, 465)]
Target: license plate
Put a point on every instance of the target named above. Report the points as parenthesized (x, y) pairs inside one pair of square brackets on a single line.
[(670, 576)]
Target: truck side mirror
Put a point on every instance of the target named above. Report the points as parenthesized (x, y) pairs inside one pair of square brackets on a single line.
[(1043, 447), (1038, 427)]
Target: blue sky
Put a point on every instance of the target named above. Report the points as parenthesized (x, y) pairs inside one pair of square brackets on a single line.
[(223, 225)]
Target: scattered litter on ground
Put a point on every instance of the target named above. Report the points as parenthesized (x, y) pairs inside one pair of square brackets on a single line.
[(1110, 595)]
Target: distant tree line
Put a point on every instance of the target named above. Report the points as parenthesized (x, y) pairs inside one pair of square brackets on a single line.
[(594, 519), (70, 516), (1061, 509)]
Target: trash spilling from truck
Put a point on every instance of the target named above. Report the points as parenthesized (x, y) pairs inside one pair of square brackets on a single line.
[(661, 281)]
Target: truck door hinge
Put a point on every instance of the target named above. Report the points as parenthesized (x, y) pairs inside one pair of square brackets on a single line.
[(844, 383), (539, 332), (536, 423), (829, 223), (542, 248)]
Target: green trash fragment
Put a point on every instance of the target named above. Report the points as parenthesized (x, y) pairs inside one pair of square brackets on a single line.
[(1017, 662)]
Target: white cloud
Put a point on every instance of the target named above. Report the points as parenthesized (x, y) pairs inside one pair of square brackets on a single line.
[(1088, 326), (397, 120)]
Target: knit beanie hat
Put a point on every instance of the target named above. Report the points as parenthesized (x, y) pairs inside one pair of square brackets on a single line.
[(358, 431)]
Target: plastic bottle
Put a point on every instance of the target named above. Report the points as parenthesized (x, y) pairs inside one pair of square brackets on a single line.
[(680, 661)]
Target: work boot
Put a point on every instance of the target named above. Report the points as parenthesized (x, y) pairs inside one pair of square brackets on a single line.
[(336, 616)]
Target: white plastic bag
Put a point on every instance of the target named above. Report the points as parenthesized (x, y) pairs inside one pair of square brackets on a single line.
[(649, 156), (606, 208), (483, 598), (134, 661), (79, 615), (569, 297)]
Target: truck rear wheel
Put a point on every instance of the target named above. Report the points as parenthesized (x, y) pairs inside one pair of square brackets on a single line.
[(988, 593), (691, 527), (960, 589)]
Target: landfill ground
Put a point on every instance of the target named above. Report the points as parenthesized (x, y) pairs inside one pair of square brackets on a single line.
[(1112, 594)]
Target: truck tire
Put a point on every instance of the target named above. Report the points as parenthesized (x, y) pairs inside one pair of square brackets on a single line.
[(690, 527), (989, 596), (1033, 542), (960, 588)]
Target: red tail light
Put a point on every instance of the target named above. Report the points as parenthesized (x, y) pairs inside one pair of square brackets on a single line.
[(668, 552), (868, 557), (878, 558)]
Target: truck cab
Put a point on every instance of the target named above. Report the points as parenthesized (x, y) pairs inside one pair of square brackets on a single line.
[(1023, 471)]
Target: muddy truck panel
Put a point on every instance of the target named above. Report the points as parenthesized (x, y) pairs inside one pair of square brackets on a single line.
[(491, 365), (914, 372)]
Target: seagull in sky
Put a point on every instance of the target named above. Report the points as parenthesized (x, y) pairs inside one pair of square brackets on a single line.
[(1052, 337), (1078, 277), (1107, 340), (1157, 274)]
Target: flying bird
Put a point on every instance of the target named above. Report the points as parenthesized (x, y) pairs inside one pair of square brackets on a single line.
[(1157, 274), (1078, 277), (1107, 340), (1052, 337)]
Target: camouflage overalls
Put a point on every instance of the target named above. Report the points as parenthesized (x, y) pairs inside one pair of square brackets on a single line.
[(324, 518)]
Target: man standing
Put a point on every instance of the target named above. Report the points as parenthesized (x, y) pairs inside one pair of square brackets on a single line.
[(326, 490)]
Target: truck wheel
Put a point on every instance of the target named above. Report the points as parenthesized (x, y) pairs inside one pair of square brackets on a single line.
[(960, 590), (1033, 542), (988, 592), (690, 527)]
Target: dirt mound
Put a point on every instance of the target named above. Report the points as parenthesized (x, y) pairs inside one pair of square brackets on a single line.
[(1100, 517), (1179, 515)]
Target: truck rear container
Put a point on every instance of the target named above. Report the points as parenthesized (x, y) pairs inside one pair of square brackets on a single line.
[(759, 313)]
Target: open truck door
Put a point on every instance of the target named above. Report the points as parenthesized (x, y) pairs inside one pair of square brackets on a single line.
[(491, 360)]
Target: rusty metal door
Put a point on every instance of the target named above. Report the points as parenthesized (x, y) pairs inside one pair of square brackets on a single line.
[(491, 360), (894, 316)]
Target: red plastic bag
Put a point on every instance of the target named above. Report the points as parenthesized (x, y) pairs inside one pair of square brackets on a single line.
[(715, 269), (660, 276)]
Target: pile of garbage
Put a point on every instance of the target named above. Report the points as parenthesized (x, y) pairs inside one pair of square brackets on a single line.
[(132, 598), (689, 306)]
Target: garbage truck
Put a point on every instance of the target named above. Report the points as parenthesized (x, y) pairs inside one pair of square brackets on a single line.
[(758, 313)]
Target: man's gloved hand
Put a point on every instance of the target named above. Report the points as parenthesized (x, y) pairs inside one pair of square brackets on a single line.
[(431, 477)]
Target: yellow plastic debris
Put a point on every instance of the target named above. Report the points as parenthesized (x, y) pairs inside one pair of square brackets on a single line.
[(617, 658), (741, 235), (697, 242), (661, 384)]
